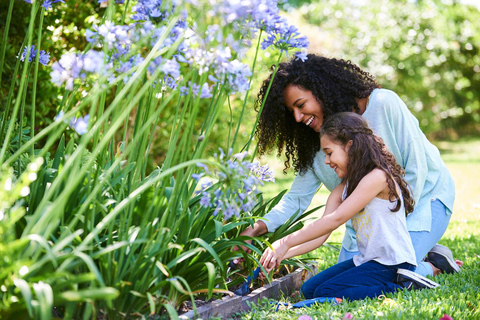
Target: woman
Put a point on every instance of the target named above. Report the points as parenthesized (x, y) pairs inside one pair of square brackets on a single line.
[(302, 95)]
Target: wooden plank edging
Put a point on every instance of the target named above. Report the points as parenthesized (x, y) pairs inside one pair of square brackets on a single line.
[(227, 306)]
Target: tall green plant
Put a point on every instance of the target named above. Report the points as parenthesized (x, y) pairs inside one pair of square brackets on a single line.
[(98, 234)]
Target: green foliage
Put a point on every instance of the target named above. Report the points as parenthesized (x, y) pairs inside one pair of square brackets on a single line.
[(97, 231), (426, 51)]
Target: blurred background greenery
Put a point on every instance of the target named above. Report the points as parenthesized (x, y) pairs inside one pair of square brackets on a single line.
[(425, 50)]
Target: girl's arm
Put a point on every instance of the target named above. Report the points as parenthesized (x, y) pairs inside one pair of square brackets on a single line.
[(334, 200), (368, 188)]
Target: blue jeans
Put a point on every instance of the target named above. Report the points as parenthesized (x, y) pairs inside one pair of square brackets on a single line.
[(422, 241), (345, 280)]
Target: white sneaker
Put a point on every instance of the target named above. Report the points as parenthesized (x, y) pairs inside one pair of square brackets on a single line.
[(411, 280)]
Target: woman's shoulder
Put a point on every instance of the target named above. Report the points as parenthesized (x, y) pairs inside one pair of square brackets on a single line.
[(385, 103), (384, 95)]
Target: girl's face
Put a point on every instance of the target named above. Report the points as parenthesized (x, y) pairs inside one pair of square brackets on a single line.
[(304, 106), (336, 155)]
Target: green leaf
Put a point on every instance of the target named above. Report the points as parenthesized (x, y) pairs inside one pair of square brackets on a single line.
[(211, 251), (26, 292), (106, 293), (211, 278)]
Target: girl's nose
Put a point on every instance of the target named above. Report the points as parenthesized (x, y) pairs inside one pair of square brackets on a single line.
[(327, 161), (298, 115)]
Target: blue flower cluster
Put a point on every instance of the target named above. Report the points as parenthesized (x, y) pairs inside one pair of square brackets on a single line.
[(115, 38), (236, 185), (76, 66), (263, 15), (47, 4), (116, 1), (214, 49), (80, 125), (150, 10), (44, 57)]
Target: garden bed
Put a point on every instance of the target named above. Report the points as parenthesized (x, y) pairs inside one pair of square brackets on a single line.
[(227, 306)]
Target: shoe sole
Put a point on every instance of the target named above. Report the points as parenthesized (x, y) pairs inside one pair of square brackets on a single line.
[(446, 260), (418, 278)]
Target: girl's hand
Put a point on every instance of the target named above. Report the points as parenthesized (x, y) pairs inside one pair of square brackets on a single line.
[(271, 258)]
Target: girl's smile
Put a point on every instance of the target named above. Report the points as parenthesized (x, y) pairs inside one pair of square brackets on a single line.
[(336, 155), (304, 106)]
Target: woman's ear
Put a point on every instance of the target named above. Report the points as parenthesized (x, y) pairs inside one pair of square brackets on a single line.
[(348, 145)]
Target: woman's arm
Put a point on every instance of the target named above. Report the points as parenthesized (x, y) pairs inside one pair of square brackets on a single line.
[(299, 197), (368, 188), (333, 202)]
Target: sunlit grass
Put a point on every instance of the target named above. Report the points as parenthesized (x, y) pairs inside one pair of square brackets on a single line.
[(459, 294)]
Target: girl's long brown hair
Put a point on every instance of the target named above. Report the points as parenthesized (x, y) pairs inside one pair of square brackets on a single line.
[(366, 153)]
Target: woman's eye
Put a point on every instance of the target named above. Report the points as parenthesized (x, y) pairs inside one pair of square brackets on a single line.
[(301, 106)]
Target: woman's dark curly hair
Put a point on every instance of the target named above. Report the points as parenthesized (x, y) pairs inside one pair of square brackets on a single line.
[(335, 83), (366, 153)]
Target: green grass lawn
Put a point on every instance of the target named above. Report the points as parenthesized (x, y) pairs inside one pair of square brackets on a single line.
[(458, 295)]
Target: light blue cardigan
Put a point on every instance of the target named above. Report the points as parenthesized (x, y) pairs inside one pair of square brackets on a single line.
[(425, 170)]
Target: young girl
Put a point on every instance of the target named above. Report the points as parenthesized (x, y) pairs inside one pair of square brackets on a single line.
[(374, 194)]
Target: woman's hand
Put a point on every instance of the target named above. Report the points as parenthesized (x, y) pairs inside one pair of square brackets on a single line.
[(271, 258)]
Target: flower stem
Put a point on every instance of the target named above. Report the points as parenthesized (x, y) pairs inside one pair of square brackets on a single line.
[(22, 84), (5, 38), (34, 86), (248, 91), (247, 145)]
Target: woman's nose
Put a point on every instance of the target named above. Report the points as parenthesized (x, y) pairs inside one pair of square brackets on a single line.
[(298, 115)]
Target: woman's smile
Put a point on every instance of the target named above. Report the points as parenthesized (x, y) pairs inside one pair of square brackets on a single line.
[(304, 106)]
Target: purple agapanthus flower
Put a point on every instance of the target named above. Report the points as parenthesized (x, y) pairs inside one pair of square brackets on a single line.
[(171, 68), (150, 10), (116, 1), (80, 125), (44, 57), (302, 55), (236, 189), (72, 66), (59, 116), (47, 4), (236, 75), (116, 38)]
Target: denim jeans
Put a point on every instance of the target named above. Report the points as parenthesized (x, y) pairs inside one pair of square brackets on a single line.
[(345, 280), (422, 241)]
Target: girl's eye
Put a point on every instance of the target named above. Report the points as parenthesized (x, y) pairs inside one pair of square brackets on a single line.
[(301, 106)]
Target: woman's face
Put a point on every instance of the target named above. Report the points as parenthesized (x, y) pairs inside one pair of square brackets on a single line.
[(304, 106)]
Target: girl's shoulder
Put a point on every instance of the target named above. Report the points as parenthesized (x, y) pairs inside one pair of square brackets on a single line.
[(375, 179), (376, 175)]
